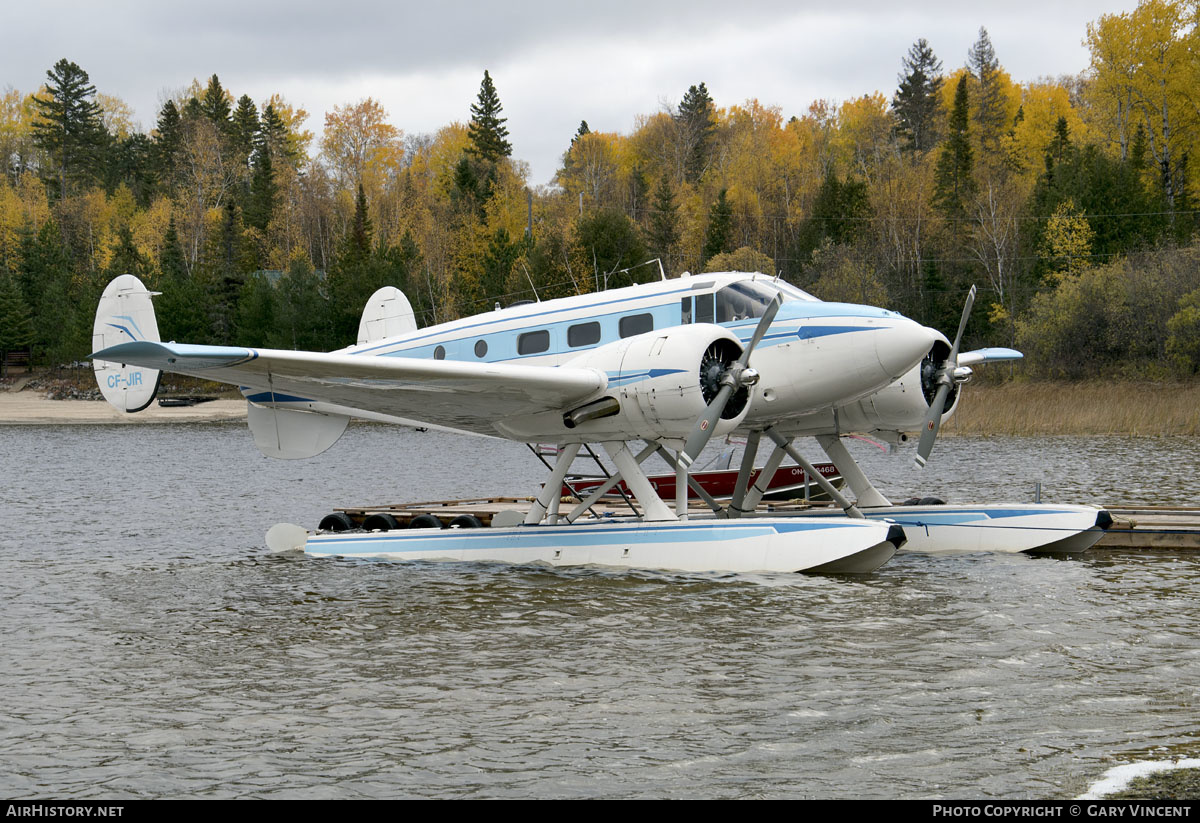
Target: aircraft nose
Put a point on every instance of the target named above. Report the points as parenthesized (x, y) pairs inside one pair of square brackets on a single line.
[(903, 345)]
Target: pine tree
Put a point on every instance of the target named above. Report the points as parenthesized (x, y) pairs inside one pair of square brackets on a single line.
[(69, 128), (16, 322), (497, 264), (260, 202), (127, 258), (244, 127), (916, 99), (989, 115), (275, 132), (183, 307), (697, 122), (719, 236), (215, 105), (664, 221), (953, 179), (487, 131)]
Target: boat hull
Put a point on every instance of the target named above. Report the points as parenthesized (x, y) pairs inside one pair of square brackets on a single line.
[(837, 545), (787, 483), (1004, 528)]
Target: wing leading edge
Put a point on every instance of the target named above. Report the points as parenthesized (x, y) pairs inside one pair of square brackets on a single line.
[(467, 396)]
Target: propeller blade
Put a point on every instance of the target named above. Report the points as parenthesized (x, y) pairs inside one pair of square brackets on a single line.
[(761, 329), (945, 378), (707, 424), (933, 422), (952, 360)]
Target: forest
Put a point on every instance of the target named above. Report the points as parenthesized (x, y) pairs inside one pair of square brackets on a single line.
[(1067, 200)]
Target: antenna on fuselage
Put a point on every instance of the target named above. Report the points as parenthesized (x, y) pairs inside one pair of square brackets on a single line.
[(530, 279), (657, 260)]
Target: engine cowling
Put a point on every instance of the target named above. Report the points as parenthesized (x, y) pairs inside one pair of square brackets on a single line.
[(659, 383), (900, 407)]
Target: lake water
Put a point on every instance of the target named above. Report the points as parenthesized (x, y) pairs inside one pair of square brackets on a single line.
[(153, 648)]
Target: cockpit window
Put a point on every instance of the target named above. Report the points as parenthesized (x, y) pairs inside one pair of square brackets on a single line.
[(792, 292), (743, 300)]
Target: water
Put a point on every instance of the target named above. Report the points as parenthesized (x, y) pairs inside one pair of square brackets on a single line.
[(152, 648)]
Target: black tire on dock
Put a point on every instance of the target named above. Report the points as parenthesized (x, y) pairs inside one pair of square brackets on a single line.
[(425, 521), (466, 521), (336, 522), (381, 521)]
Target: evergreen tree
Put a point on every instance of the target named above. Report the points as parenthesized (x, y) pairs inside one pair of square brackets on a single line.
[(183, 307), (358, 241), (68, 128), (130, 162), (583, 129), (840, 214), (16, 322), (916, 99), (719, 236), (497, 264), (275, 132), (260, 202), (171, 262), (697, 121), (487, 131), (244, 128), (953, 179), (989, 115), (45, 265), (215, 105), (663, 234), (255, 318), (303, 312), (127, 259), (357, 272), (609, 241)]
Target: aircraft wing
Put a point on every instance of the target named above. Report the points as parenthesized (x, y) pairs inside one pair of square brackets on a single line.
[(465, 396)]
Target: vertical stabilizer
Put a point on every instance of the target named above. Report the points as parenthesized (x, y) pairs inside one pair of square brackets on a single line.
[(387, 314), (125, 314)]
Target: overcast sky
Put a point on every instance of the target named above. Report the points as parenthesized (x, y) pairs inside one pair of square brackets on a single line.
[(554, 63)]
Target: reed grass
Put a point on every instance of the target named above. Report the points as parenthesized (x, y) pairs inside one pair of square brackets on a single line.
[(1099, 407)]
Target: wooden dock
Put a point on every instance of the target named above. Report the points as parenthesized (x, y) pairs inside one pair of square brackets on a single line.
[(1134, 527), (1152, 527)]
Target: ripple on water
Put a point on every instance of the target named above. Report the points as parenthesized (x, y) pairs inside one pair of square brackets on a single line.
[(153, 648)]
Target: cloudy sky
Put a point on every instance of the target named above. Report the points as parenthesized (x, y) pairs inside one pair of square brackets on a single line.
[(554, 63)]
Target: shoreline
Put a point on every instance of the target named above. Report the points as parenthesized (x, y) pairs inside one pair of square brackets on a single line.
[(1003, 409), (1116, 407), (30, 408)]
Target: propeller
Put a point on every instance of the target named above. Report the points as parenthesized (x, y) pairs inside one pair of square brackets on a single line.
[(726, 379), (944, 377)]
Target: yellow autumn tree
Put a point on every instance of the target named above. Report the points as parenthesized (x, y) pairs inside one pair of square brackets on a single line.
[(1067, 243)]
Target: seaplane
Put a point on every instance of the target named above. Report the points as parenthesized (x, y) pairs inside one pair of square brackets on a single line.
[(657, 368)]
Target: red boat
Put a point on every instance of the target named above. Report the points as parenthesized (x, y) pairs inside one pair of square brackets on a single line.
[(787, 483)]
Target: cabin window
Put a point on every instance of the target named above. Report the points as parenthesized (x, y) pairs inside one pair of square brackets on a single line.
[(584, 334), (704, 308), (481, 348), (532, 342), (635, 324), (685, 310), (439, 353)]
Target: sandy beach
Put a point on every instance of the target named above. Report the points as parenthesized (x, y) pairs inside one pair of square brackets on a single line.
[(27, 408)]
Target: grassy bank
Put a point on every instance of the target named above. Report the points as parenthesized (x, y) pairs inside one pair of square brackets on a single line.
[(1110, 407)]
